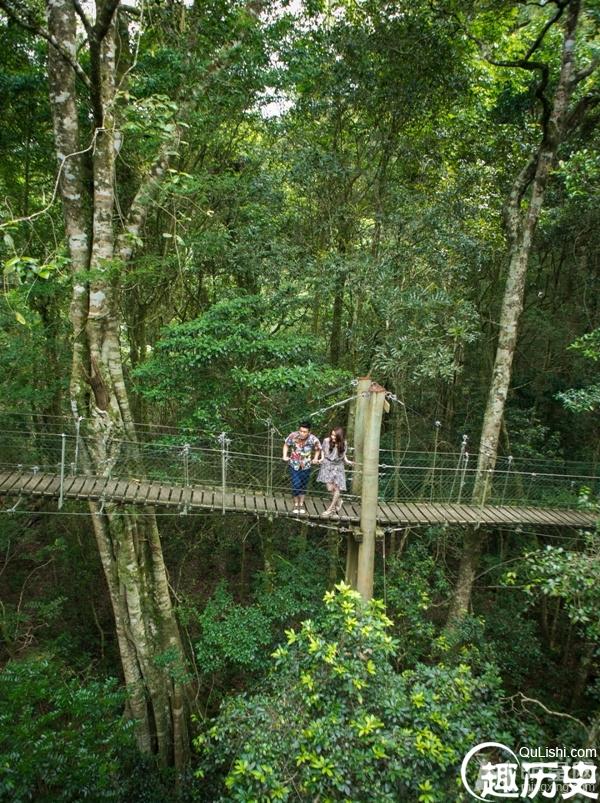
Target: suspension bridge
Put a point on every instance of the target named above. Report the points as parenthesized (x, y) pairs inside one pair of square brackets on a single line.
[(231, 472)]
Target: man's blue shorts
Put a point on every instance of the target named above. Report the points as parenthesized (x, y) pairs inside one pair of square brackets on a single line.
[(299, 479)]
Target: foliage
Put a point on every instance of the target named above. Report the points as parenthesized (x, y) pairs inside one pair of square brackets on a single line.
[(584, 399), (529, 436), (243, 353), (337, 722), (572, 576), (414, 583), (61, 739), (235, 639)]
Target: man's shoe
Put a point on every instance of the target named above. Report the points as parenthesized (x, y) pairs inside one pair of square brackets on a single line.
[(301, 511)]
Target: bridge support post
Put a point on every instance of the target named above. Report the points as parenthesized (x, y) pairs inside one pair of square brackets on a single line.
[(224, 441), (370, 487), (271, 456), (360, 405), (63, 450)]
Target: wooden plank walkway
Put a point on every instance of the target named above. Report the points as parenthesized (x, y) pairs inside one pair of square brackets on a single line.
[(390, 514)]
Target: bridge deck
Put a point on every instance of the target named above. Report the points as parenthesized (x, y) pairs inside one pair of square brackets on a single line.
[(190, 499)]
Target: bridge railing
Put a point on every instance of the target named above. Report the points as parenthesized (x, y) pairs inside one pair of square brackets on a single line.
[(246, 463)]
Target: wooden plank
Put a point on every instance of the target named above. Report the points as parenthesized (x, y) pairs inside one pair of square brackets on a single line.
[(13, 483), (209, 498), (483, 515), (45, 484), (185, 502), (16, 486), (436, 513), (110, 489), (415, 512), (68, 484), (17, 480), (25, 482), (420, 513), (572, 518), (463, 514), (28, 482), (560, 518), (6, 478), (76, 487), (405, 514), (145, 488), (153, 493), (88, 484), (164, 495), (401, 514), (176, 498), (529, 516), (30, 487), (198, 498), (279, 503), (354, 512), (249, 505), (506, 514), (261, 504), (229, 502), (133, 488), (270, 504), (581, 519), (385, 513), (313, 508), (53, 487)]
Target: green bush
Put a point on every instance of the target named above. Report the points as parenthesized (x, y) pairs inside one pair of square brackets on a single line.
[(60, 739), (337, 722)]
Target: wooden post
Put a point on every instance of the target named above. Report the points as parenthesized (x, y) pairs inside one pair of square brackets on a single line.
[(370, 488), (359, 438), (362, 402)]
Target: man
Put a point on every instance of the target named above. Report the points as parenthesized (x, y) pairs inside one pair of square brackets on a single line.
[(301, 450)]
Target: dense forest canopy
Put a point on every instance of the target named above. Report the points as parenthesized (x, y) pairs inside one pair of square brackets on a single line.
[(215, 216)]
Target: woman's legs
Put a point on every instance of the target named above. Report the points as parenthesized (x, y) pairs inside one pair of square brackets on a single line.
[(335, 502), (335, 495)]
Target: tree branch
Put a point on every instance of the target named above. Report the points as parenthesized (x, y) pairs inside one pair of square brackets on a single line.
[(30, 25), (104, 18), (82, 16), (577, 115), (552, 713), (540, 37), (584, 73)]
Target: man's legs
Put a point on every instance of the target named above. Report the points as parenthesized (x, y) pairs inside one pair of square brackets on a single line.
[(303, 477), (294, 478)]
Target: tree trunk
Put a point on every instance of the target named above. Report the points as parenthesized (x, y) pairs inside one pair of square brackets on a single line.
[(335, 343), (521, 225), (128, 541)]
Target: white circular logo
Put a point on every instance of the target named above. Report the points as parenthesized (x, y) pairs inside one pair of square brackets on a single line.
[(472, 752)]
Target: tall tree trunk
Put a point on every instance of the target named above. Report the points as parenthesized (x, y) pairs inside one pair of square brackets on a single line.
[(151, 651), (521, 224)]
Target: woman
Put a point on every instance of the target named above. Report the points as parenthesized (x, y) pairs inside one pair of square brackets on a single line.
[(332, 472)]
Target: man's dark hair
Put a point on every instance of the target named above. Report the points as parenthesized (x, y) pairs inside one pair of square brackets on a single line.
[(305, 424)]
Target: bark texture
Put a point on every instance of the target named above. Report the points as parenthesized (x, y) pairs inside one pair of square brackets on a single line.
[(522, 216), (152, 656)]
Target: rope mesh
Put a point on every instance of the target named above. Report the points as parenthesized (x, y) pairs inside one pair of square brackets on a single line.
[(253, 465)]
